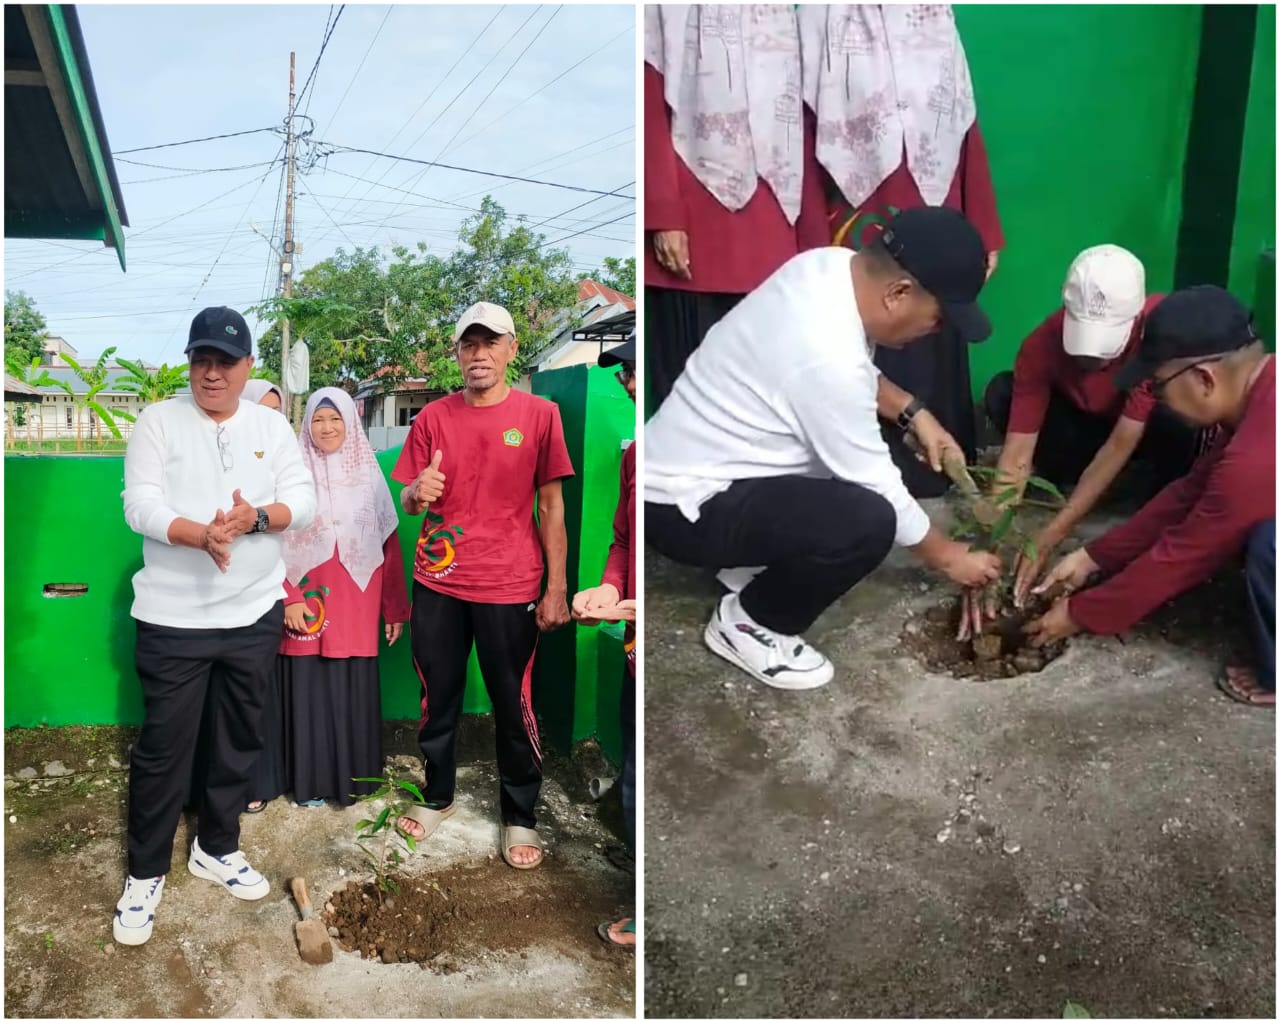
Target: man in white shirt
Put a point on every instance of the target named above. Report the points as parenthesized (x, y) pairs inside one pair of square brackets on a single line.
[(210, 482), (768, 450)]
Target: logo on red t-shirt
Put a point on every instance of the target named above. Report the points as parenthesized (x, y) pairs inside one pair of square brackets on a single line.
[(317, 622), (436, 552), (512, 438)]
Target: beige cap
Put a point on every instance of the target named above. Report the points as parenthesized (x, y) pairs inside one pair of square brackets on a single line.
[(1105, 291), (488, 315)]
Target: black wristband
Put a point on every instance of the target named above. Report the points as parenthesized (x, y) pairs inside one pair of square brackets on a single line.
[(914, 407), (263, 522)]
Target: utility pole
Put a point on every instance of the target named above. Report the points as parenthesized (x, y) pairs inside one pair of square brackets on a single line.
[(286, 260)]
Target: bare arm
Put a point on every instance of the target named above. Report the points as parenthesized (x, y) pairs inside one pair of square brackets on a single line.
[(1014, 465), (553, 608), (890, 398)]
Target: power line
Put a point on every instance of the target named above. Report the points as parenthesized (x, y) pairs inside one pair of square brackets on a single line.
[(468, 170), (572, 67), (431, 95), (312, 197), (328, 34), (334, 116), (197, 173), (192, 142), (565, 238), (560, 155)]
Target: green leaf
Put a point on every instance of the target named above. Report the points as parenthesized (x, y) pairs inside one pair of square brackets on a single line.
[(381, 822), (365, 823), (1074, 1010), (411, 842), (371, 781), (1030, 549), (1045, 485), (409, 786), (1006, 496), (393, 887), (1001, 525)]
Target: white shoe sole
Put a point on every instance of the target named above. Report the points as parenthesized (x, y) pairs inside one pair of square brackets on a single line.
[(794, 681), (239, 891), (130, 935)]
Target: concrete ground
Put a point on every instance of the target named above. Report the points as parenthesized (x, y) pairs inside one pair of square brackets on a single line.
[(903, 844), (212, 955)]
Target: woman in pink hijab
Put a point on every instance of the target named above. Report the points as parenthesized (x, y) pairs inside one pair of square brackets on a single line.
[(342, 574)]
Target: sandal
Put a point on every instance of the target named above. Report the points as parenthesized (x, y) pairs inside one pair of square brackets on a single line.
[(262, 805), (605, 930), (1250, 697), (427, 819), (311, 802), (514, 835)]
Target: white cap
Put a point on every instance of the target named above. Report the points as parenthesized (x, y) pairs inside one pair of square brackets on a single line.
[(1105, 291), (488, 315)]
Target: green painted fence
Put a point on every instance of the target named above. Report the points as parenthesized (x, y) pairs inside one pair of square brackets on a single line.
[(69, 660)]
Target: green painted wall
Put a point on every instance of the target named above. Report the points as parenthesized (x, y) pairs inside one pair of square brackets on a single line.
[(1085, 111), (568, 661), (70, 660), (1255, 222)]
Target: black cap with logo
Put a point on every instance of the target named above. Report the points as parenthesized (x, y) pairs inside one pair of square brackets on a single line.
[(1190, 323), (944, 252), (221, 328)]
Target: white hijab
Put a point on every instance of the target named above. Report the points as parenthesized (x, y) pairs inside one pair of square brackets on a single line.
[(732, 78), (880, 77), (355, 512)]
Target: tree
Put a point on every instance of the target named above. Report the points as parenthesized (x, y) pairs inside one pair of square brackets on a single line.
[(618, 274), (152, 385), (24, 330), (361, 317), (95, 380)]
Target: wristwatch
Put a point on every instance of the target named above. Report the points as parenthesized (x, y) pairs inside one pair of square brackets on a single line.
[(263, 523), (914, 407)]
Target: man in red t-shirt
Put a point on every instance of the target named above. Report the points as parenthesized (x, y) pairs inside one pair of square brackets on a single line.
[(474, 463), (1203, 360), (1061, 408)]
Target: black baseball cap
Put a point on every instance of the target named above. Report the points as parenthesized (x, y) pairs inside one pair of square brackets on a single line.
[(221, 328), (1189, 323), (944, 252), (625, 352)]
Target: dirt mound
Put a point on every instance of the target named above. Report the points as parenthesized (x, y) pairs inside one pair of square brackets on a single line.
[(438, 919)]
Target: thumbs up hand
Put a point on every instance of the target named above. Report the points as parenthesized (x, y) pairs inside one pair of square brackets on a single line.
[(430, 482)]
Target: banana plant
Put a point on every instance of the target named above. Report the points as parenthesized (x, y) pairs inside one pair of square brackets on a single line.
[(95, 380)]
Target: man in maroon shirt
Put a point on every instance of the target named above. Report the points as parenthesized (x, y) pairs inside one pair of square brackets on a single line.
[(1060, 408), (474, 462), (1204, 361)]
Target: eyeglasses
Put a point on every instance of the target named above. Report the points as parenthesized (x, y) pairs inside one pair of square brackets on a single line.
[(625, 374), (1158, 385), (224, 449)]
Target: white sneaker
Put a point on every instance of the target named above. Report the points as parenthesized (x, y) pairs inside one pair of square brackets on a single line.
[(136, 910), (735, 580), (784, 662), (231, 871)]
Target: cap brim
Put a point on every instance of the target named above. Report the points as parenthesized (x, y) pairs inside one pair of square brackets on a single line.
[(1131, 374), (1095, 340), (225, 347), (497, 328), (968, 321), (625, 352)]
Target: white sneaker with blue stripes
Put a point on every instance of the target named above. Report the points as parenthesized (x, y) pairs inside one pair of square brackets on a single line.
[(231, 871), (136, 910), (784, 662)]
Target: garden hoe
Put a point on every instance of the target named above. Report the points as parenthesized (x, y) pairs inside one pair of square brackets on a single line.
[(312, 935)]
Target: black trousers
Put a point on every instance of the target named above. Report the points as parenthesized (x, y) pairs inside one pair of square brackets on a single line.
[(818, 538), (675, 324), (1069, 438), (934, 369), (187, 674), (442, 630)]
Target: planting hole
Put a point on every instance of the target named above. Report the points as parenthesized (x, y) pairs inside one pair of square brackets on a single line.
[(1000, 652), (65, 589)]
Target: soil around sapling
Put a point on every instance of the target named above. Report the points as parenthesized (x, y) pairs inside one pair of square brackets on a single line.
[(441, 919), (1001, 651)]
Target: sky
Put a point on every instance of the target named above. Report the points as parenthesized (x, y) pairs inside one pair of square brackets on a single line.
[(535, 91)]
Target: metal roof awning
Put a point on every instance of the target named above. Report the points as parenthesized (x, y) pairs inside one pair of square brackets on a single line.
[(59, 178), (614, 329), (16, 390)]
